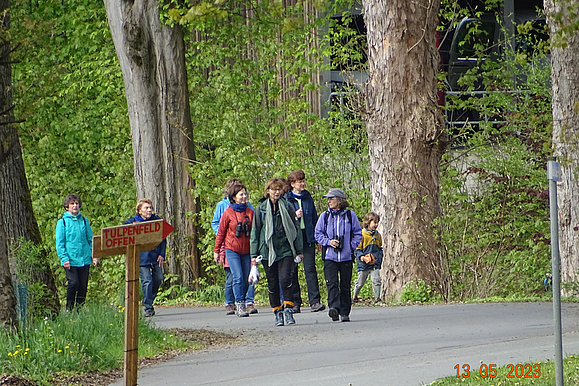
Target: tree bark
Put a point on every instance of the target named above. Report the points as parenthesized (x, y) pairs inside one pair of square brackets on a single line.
[(152, 59), (16, 210), (564, 78), (406, 138)]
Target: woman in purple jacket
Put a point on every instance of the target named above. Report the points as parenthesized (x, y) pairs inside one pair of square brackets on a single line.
[(338, 231)]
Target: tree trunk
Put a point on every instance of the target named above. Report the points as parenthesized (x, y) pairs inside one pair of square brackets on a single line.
[(565, 78), (8, 317), (15, 202), (405, 137), (152, 59)]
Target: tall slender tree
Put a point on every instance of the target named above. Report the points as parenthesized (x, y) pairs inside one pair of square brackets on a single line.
[(405, 137), (152, 59), (16, 211), (565, 78)]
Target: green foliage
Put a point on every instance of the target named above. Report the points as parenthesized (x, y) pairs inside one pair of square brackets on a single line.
[(495, 221), (75, 139), (28, 262), (87, 340), (417, 291)]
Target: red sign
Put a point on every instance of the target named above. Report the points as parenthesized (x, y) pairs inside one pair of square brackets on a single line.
[(135, 234)]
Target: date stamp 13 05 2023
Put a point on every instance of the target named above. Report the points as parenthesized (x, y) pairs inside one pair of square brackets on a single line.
[(490, 370)]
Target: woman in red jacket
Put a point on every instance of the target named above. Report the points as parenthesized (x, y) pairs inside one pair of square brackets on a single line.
[(234, 231)]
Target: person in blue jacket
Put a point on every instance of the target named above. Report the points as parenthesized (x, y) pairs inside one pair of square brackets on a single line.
[(74, 248), (151, 262), (338, 231), (303, 203)]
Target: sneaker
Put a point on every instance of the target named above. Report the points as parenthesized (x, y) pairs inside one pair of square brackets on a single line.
[(334, 314), (150, 313), (250, 308), (278, 317), (345, 318), (241, 312), (289, 316), (318, 307), (296, 309), (230, 309)]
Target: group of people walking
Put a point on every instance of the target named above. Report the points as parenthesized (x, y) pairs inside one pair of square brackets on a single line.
[(284, 231)]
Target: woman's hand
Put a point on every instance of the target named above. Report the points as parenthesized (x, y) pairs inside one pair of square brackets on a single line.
[(160, 260), (334, 243), (66, 264), (95, 261), (216, 257), (299, 213)]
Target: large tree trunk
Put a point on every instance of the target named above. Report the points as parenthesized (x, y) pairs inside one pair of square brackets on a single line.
[(405, 137), (152, 59), (8, 318), (16, 211), (565, 78)]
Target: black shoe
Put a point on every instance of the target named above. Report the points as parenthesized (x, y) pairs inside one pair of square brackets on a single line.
[(334, 314), (318, 307), (278, 317), (345, 318), (289, 317), (148, 314), (296, 309)]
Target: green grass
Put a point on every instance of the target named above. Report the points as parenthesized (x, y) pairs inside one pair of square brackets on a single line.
[(524, 374), (90, 339)]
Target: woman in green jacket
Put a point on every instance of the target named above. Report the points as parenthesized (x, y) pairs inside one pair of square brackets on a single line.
[(274, 236)]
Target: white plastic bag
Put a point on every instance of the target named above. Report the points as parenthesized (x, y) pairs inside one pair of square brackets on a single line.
[(253, 278)]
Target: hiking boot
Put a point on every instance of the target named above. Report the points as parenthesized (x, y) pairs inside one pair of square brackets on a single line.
[(296, 308), (250, 308), (149, 313), (318, 307), (229, 309), (345, 318), (334, 314), (278, 317), (289, 315), (241, 312)]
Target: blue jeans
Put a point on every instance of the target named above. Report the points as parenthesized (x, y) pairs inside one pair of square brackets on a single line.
[(240, 266), (151, 279), (229, 297)]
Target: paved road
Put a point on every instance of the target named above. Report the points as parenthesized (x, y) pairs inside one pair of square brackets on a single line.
[(382, 346)]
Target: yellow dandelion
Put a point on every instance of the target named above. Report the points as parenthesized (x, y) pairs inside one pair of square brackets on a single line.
[(9, 354), (17, 345), (59, 350), (66, 347), (16, 352), (27, 349), (71, 352), (170, 336), (25, 353), (110, 324)]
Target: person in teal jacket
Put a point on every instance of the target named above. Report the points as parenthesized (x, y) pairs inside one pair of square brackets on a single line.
[(74, 248)]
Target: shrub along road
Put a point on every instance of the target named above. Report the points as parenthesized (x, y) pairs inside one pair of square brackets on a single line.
[(381, 346)]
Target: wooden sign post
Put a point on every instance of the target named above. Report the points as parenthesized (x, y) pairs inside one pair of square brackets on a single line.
[(131, 240)]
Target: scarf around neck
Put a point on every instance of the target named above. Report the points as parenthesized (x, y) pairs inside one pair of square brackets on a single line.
[(238, 207), (288, 227)]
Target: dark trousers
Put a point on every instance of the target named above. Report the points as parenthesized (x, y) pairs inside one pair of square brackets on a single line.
[(280, 272), (311, 274), (77, 285), (338, 280)]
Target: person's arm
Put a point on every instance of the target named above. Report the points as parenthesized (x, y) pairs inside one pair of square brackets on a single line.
[(299, 241), (61, 244), (356, 232), (255, 234), (320, 232), (221, 232)]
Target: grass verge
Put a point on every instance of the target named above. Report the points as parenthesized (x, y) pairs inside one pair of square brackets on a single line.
[(91, 339)]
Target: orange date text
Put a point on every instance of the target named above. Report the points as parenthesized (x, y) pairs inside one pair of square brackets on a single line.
[(490, 370)]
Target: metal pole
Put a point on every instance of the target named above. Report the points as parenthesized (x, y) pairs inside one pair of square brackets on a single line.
[(553, 174)]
